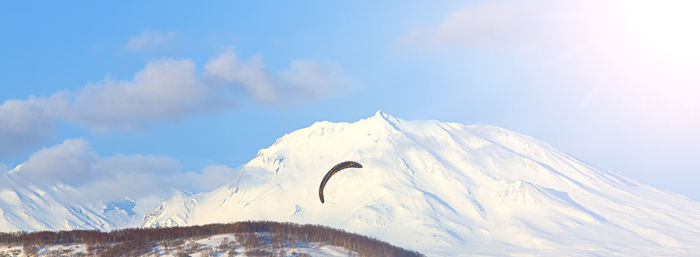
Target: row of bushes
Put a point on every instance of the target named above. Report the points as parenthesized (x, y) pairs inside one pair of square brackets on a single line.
[(137, 241)]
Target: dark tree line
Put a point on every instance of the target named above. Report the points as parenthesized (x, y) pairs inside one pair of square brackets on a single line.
[(137, 241)]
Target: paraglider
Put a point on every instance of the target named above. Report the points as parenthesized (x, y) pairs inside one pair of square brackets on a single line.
[(333, 171)]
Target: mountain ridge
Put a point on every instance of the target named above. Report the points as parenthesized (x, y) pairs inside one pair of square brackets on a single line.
[(37, 207), (448, 189), (442, 188)]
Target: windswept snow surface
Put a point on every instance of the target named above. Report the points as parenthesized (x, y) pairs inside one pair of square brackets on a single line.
[(446, 189)]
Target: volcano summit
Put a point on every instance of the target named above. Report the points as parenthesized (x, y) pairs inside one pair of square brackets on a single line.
[(447, 189)]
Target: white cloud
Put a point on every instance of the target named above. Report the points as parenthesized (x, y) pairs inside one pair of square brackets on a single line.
[(149, 39), (209, 178), (128, 185), (506, 24), (26, 122), (68, 162), (304, 80), (74, 162), (250, 74), (163, 90)]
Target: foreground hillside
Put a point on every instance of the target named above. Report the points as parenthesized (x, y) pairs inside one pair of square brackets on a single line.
[(234, 239), (447, 189)]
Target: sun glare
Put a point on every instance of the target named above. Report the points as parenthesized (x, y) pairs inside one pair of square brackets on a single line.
[(669, 28)]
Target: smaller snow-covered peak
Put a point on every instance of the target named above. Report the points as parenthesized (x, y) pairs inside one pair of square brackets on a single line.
[(172, 212), (383, 117), (31, 207)]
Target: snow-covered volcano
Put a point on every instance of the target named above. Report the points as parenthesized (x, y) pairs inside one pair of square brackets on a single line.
[(447, 189)]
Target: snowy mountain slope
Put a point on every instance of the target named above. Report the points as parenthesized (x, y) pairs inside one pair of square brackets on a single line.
[(446, 189), (32, 207)]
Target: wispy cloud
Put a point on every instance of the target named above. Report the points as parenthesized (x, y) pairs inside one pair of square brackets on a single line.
[(74, 162), (164, 90), (304, 80), (27, 122), (643, 50), (250, 74), (505, 25), (149, 39)]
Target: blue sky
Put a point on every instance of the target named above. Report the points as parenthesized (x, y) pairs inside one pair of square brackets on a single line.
[(614, 83)]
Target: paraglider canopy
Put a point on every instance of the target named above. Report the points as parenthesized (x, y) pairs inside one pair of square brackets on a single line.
[(335, 169)]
